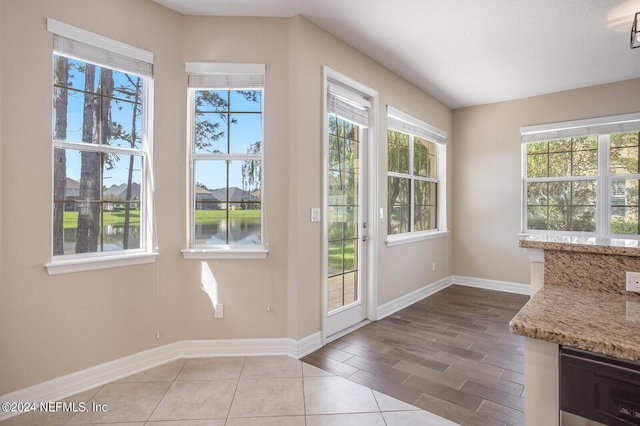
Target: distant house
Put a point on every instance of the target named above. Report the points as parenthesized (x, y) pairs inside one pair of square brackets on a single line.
[(237, 198), (205, 199), (119, 192), (71, 194)]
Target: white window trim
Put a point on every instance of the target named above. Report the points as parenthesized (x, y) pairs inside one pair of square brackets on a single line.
[(601, 128), (222, 76), (405, 123), (80, 262), (408, 237), (99, 261), (225, 253)]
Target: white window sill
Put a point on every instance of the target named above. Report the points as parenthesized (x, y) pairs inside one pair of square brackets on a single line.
[(102, 261), (399, 239), (225, 253)]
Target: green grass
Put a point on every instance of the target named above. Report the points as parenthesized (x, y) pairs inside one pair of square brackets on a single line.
[(336, 255), (114, 218), (207, 217)]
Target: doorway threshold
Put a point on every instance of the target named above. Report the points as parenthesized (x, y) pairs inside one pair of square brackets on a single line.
[(346, 331)]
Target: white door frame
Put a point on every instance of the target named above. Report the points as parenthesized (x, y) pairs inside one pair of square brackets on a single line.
[(370, 249)]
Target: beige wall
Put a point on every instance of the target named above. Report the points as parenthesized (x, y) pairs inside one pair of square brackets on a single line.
[(244, 286), (3, 317), (55, 325), (487, 173)]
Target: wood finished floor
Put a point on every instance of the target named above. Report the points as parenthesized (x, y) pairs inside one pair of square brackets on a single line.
[(451, 354)]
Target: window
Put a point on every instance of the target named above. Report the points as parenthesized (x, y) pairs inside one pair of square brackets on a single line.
[(582, 177), (101, 146), (225, 160), (415, 176)]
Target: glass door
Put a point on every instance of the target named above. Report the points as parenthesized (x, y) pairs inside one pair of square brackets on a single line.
[(346, 227)]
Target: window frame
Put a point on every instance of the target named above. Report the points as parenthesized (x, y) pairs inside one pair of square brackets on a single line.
[(601, 128), (76, 43), (402, 122), (227, 77)]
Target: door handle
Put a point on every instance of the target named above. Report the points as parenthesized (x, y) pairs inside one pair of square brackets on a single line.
[(365, 238)]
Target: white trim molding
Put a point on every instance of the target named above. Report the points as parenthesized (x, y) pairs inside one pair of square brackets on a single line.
[(413, 297), (504, 286), (80, 381), (89, 263)]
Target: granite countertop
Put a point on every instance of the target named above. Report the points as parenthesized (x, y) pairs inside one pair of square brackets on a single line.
[(613, 246), (586, 319)]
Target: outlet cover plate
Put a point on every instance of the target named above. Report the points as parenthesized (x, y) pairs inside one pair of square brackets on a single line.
[(633, 281)]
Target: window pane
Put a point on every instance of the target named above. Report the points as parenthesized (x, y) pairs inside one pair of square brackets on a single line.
[(624, 153), (245, 133), (424, 158), (583, 193), (69, 107), (336, 257), (624, 206), (122, 178), (212, 101), (538, 148), (424, 215), (560, 164), (245, 180), (537, 165), (585, 143), (537, 218), (583, 218), (585, 163), (228, 207), (562, 206), (560, 145), (211, 133), (245, 100), (625, 220), (398, 151), (537, 193), (624, 160), (399, 205), (559, 218), (244, 226), (347, 129), (210, 223), (559, 193), (619, 140), (96, 217), (93, 104), (125, 127)]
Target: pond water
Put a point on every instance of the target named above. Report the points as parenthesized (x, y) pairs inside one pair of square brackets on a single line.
[(112, 238), (233, 231)]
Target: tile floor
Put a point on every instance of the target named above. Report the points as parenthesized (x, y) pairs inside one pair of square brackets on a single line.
[(234, 391)]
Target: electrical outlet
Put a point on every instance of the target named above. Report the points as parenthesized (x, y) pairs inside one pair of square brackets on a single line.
[(219, 310), (633, 281)]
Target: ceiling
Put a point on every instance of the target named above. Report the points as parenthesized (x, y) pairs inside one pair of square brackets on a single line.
[(470, 52)]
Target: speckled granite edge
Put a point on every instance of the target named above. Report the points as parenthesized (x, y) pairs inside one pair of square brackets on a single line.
[(605, 323), (580, 247)]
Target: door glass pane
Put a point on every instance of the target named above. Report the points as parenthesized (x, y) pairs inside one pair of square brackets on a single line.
[(343, 199)]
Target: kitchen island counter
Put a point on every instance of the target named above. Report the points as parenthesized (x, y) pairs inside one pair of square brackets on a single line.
[(607, 323)]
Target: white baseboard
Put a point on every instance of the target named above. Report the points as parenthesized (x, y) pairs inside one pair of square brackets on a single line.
[(74, 383), (413, 297), (504, 286), (308, 344)]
